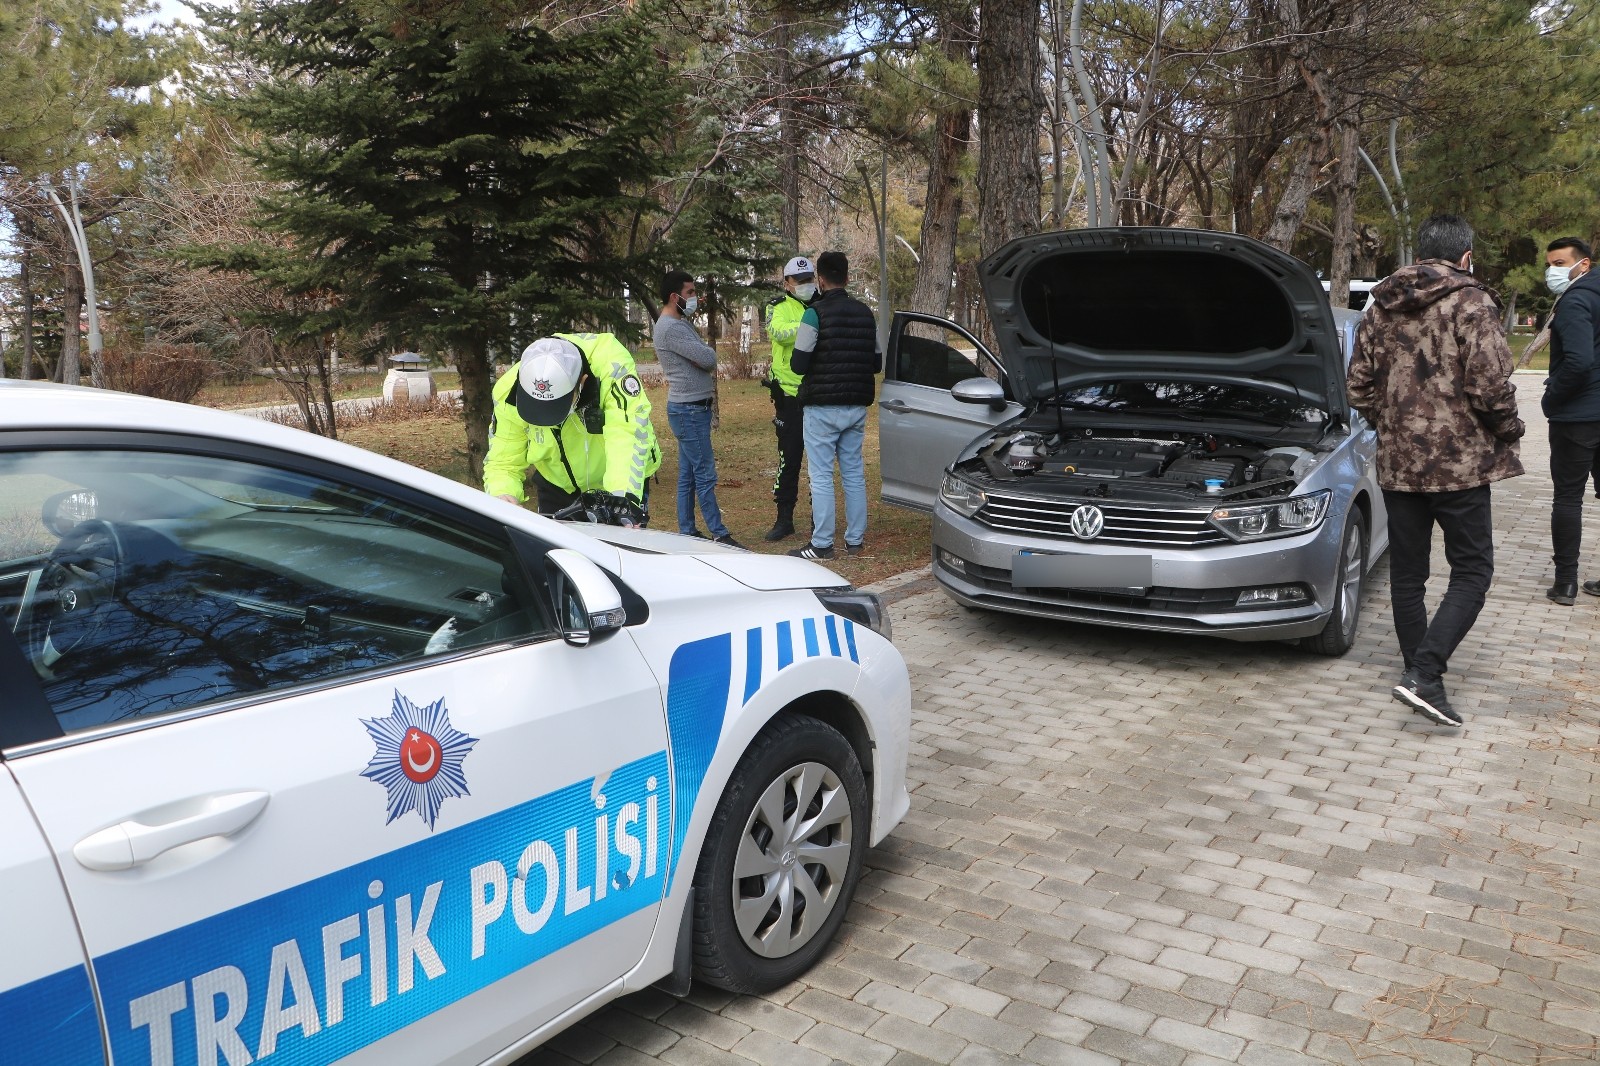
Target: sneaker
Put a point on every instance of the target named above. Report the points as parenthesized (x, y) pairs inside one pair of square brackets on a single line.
[(727, 538), (811, 551), (1426, 698), (1592, 588), (854, 549), (695, 533)]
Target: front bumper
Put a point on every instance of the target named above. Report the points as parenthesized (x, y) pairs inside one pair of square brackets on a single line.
[(1193, 591)]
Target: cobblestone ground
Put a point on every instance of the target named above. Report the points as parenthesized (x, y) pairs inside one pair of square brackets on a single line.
[(1177, 852)]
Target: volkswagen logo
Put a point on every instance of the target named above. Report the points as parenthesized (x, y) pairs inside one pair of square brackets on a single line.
[(1087, 522)]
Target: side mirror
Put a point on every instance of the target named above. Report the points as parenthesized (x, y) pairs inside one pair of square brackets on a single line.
[(63, 511), (980, 390), (588, 606)]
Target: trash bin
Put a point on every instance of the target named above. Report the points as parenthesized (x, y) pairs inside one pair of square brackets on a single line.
[(409, 379)]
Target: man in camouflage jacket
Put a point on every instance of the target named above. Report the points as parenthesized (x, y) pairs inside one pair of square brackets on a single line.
[(1432, 373)]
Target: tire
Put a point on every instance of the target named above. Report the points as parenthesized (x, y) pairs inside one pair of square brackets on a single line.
[(748, 949), (1340, 632)]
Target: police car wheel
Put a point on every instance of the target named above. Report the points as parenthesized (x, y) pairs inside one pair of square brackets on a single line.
[(781, 858)]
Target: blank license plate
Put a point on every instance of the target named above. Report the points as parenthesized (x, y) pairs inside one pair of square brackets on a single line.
[(1110, 572)]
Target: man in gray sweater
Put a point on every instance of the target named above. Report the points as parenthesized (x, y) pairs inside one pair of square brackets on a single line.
[(690, 366)]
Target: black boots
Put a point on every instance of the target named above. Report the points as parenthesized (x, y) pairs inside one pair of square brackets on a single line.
[(784, 526)]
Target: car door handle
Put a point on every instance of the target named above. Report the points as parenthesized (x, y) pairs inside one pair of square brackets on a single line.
[(897, 406), (130, 843)]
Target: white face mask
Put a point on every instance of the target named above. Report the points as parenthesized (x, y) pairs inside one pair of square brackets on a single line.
[(1557, 278), (806, 291), (690, 304)]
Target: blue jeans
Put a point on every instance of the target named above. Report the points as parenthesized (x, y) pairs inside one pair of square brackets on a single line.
[(836, 431), (697, 467)]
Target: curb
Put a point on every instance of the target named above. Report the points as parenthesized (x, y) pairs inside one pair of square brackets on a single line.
[(903, 585)]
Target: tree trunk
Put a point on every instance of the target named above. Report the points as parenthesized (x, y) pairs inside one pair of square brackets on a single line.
[(67, 371), (789, 133), (25, 282), (1291, 211), (477, 400), (1344, 212), (941, 215), (1010, 101)]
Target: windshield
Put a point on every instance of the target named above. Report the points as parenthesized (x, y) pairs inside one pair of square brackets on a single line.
[(1195, 398)]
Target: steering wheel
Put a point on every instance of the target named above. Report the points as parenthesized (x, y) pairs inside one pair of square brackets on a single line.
[(80, 580)]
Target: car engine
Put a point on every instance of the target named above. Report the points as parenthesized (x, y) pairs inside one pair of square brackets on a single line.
[(1168, 466)]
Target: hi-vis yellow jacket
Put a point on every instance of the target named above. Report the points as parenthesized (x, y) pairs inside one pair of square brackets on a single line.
[(783, 323), (616, 459)]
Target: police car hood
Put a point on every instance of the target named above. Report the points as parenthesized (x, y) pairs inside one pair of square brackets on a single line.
[(1078, 307), (765, 573)]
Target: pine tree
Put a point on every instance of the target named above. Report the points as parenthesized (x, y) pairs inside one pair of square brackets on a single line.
[(444, 166)]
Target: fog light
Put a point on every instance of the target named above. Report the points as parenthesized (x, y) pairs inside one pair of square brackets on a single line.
[(953, 562), (1272, 594)]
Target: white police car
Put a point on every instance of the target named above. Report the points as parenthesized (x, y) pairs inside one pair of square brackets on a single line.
[(311, 756)]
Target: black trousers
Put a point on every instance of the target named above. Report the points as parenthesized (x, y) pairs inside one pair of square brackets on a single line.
[(1574, 453), (791, 429), (1466, 520)]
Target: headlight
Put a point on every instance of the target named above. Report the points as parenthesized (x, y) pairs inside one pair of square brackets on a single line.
[(862, 608), (1298, 514), (961, 495)]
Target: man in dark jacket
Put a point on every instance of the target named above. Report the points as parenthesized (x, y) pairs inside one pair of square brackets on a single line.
[(837, 357), (1432, 372), (1572, 404)]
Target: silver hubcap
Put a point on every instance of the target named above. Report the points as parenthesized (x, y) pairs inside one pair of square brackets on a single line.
[(1350, 582), (792, 859)]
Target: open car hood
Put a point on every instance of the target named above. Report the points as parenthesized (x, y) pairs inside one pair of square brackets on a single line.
[(1076, 307)]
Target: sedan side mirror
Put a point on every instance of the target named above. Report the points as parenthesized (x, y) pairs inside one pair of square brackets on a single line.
[(588, 605), (980, 390)]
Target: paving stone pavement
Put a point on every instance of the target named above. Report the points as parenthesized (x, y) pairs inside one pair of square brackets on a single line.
[(1172, 851)]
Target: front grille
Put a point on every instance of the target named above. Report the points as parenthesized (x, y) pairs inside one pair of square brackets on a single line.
[(1169, 604), (1144, 527)]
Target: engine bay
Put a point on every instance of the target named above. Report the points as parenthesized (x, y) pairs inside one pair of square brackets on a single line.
[(1086, 461)]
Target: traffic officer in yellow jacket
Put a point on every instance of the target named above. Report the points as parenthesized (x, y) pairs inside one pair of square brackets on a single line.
[(783, 323), (574, 411)]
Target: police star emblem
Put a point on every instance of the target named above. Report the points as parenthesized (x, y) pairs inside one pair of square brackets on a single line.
[(419, 758)]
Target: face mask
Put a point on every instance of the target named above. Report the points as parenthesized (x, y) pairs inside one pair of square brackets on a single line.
[(1557, 278), (805, 292), (690, 304)]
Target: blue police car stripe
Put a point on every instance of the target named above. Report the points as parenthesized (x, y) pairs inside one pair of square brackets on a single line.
[(752, 663), (51, 1020), (697, 703), (785, 645), (781, 646), (314, 972)]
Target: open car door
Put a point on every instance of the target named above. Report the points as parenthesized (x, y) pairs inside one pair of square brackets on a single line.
[(921, 426)]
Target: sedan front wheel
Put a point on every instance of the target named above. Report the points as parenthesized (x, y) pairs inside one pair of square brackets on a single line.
[(781, 858)]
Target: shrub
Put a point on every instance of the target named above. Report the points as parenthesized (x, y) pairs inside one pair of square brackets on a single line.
[(165, 371)]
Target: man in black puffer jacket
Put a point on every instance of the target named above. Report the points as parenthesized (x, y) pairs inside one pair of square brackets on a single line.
[(1572, 403), (837, 357)]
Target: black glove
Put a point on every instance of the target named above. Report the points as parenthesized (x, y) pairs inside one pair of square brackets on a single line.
[(772, 386)]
